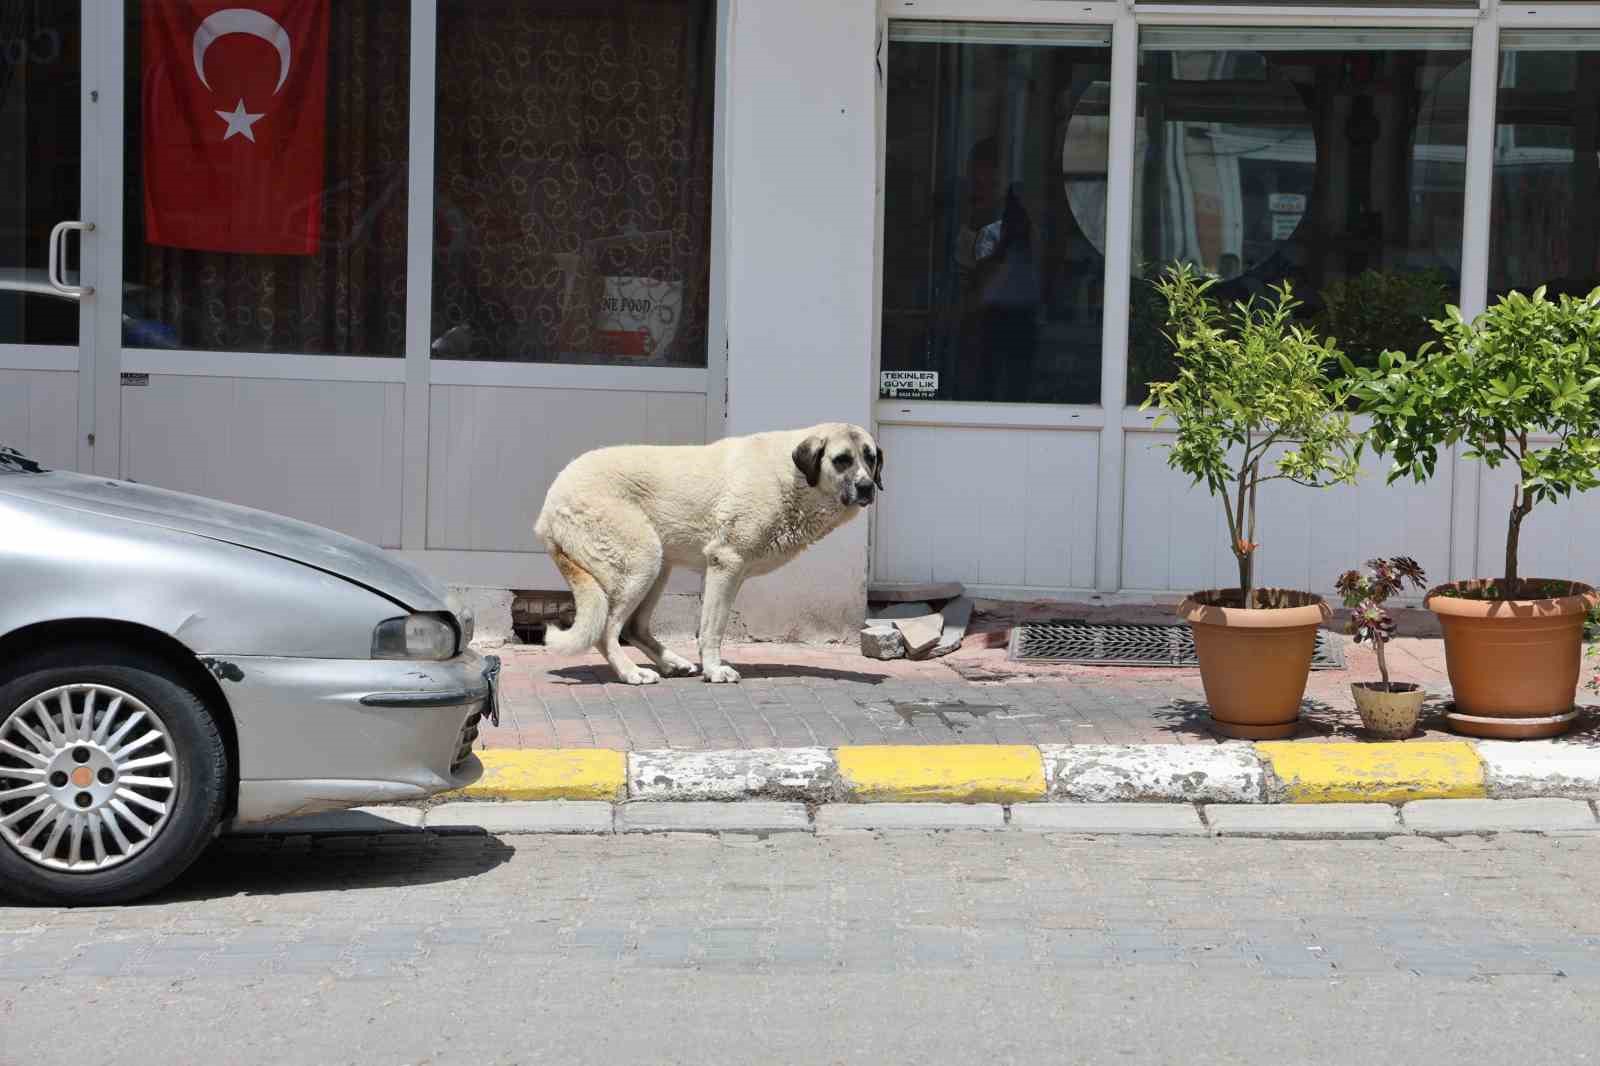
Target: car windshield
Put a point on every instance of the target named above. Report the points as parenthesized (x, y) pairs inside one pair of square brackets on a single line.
[(14, 462)]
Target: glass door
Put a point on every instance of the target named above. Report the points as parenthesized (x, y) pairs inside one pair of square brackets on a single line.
[(46, 301)]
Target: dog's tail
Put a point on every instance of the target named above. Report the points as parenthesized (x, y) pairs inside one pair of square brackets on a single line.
[(593, 607)]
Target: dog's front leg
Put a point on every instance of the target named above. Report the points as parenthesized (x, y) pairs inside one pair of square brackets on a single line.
[(724, 574)]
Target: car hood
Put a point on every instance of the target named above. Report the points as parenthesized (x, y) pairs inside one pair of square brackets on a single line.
[(246, 527)]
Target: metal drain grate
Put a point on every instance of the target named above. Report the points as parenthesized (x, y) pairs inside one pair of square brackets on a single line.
[(1101, 644)]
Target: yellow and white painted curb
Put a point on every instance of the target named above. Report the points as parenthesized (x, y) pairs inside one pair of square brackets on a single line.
[(956, 773), (1373, 773), (1292, 772), (551, 774)]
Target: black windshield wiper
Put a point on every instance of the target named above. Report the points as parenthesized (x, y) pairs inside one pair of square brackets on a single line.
[(12, 459)]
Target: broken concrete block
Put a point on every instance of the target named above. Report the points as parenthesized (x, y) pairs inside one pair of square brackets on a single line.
[(921, 633), (957, 614), (893, 612), (882, 642)]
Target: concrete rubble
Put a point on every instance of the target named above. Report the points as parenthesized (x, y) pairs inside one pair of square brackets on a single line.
[(916, 629)]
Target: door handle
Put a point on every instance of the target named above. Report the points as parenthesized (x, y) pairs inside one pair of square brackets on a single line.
[(58, 244)]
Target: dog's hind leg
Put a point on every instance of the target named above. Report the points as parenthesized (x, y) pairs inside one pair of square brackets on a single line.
[(630, 583), (638, 631)]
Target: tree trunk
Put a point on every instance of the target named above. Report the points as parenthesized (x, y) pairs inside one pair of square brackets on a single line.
[(1519, 510), (1383, 665), (1247, 565)]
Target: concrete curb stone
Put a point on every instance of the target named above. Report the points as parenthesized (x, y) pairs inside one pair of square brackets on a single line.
[(1538, 786), (1122, 773), (1234, 772), (796, 774), (547, 816), (1321, 821), (1132, 819), (1448, 817), (844, 817), (1515, 769), (1417, 821), (754, 816)]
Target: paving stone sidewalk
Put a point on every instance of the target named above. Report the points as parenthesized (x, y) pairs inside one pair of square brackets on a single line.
[(804, 695)]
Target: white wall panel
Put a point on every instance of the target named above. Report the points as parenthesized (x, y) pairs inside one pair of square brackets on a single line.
[(800, 142), (999, 508), (39, 415), (493, 452), (327, 452), (1560, 540), (1176, 539)]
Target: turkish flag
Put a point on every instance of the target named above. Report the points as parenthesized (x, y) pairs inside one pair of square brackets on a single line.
[(235, 120)]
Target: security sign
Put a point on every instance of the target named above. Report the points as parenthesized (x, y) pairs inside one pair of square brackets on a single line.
[(908, 384)]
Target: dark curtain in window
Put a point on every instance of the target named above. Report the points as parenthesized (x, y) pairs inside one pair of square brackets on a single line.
[(573, 189)]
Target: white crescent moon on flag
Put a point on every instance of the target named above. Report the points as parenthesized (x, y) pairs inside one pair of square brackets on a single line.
[(241, 20)]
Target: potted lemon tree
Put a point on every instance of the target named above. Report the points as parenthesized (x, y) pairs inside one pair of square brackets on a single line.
[(1253, 403), (1520, 387)]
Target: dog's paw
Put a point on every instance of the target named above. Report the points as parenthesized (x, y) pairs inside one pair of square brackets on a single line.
[(677, 666), (722, 675), (642, 675)]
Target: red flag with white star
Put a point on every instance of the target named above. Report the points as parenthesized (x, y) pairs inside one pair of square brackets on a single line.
[(235, 124)]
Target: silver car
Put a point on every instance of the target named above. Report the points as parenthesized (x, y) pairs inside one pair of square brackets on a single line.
[(171, 666)]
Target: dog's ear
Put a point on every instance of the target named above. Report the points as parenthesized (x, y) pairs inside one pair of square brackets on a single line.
[(808, 457), (877, 468)]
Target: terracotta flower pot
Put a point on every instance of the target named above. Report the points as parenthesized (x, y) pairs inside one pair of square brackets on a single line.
[(1254, 664), (1388, 711), (1513, 664)]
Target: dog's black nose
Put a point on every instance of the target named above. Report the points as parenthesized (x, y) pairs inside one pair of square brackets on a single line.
[(865, 491)]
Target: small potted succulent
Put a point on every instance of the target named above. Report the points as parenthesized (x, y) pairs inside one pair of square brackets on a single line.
[(1388, 709), (1254, 404)]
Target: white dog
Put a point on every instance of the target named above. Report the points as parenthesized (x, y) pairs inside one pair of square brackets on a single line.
[(617, 520)]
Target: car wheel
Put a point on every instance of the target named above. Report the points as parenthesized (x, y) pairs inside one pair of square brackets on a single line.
[(113, 777)]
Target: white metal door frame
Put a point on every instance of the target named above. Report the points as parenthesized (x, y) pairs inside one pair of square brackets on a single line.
[(102, 359), (1114, 419), (82, 240), (99, 379)]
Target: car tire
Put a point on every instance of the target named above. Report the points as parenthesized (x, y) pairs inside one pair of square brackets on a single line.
[(83, 769)]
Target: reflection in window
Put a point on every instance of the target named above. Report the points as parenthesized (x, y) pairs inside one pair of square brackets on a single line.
[(991, 280), (1334, 160), (573, 181), (1545, 224), (266, 185)]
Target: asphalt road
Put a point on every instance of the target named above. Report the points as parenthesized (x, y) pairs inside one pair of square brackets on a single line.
[(959, 948)]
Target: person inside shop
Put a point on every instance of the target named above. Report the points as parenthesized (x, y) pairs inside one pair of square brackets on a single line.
[(1001, 292)]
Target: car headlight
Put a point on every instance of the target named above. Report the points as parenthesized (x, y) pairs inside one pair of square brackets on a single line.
[(417, 636)]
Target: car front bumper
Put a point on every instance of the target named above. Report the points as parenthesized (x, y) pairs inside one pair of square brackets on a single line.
[(321, 734)]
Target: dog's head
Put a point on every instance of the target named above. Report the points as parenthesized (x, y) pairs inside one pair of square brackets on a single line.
[(842, 461)]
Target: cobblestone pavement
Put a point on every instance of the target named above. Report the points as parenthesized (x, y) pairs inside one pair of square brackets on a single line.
[(904, 948), (794, 695)]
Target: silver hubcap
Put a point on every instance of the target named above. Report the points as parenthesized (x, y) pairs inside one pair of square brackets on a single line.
[(87, 778)]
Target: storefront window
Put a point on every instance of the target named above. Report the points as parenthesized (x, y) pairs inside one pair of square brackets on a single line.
[(1545, 225), (994, 212), (1330, 159), (266, 176), (40, 77), (573, 181)]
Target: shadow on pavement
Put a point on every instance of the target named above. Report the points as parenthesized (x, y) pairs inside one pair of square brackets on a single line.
[(275, 866), (748, 671), (1319, 721), (1184, 717)]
